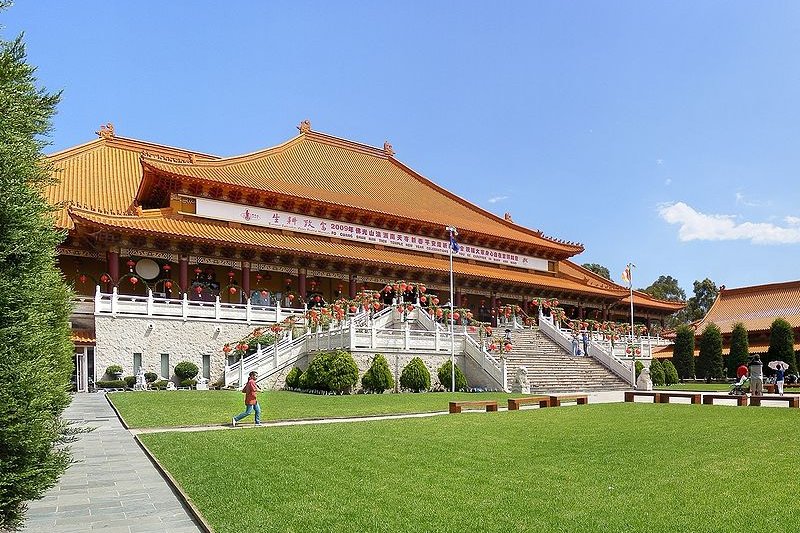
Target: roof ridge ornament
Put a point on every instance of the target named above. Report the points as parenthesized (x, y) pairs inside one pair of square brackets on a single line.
[(507, 217), (106, 131), (387, 147), (304, 126)]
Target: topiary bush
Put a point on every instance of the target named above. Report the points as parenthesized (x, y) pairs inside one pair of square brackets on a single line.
[(342, 372), (189, 382), (379, 377), (186, 370), (415, 376), (161, 384), (316, 375), (639, 367), (150, 377), (113, 384), (113, 370), (293, 378), (656, 372), (130, 381), (445, 375), (670, 373)]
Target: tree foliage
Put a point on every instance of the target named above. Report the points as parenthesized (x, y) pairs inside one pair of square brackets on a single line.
[(705, 292), (666, 288), (670, 374), (709, 363), (415, 376), (379, 376), (445, 374), (739, 349), (781, 344), (656, 372), (35, 346), (600, 270), (683, 352)]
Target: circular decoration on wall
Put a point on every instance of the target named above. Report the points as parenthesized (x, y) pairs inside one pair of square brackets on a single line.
[(147, 268)]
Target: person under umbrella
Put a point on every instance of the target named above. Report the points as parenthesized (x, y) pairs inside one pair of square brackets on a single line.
[(780, 371)]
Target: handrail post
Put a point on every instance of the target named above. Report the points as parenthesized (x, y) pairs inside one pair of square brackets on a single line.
[(407, 340), (275, 351), (436, 339), (114, 301), (277, 310), (217, 307), (248, 312), (185, 306), (97, 299), (373, 334), (352, 334), (149, 302)]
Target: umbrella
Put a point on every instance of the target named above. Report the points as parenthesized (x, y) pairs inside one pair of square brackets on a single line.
[(778, 365)]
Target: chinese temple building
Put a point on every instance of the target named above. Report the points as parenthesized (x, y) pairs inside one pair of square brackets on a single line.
[(316, 216)]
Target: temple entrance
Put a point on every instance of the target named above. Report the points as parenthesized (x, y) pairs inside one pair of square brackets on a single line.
[(83, 369)]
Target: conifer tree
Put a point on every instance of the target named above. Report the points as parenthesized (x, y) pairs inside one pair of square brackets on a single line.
[(709, 363), (683, 352), (35, 346), (781, 344), (739, 349)]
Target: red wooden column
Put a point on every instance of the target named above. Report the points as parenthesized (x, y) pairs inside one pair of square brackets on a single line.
[(245, 280), (301, 282), (351, 286), (183, 273), (580, 311), (112, 264)]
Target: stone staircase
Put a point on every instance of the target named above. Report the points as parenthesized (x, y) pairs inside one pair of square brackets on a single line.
[(552, 369)]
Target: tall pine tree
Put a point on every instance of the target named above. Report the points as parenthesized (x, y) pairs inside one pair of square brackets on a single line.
[(781, 344), (739, 349), (35, 346), (709, 363), (683, 352)]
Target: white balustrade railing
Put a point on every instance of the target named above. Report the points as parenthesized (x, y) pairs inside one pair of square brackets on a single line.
[(115, 304), (597, 351), (494, 367)]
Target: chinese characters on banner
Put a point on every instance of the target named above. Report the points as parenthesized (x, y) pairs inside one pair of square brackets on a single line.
[(271, 218)]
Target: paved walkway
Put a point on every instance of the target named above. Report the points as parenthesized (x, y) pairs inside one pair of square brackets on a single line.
[(112, 486)]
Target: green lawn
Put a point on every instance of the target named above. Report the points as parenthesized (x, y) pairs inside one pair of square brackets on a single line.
[(596, 468), (193, 408), (697, 387)]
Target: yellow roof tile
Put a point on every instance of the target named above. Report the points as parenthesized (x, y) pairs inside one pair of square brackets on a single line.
[(756, 307)]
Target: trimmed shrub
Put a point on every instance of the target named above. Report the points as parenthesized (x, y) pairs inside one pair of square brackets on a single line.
[(188, 382), (709, 364), (639, 366), (670, 374), (739, 349), (445, 375), (161, 384), (342, 372), (186, 370), (316, 375), (130, 381), (113, 369), (293, 378), (113, 384), (781, 344), (379, 377), (415, 376), (150, 377), (683, 352), (656, 372)]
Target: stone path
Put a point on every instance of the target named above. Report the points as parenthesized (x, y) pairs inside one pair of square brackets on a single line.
[(113, 486)]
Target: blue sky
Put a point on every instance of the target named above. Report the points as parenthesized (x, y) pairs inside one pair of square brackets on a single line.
[(663, 133)]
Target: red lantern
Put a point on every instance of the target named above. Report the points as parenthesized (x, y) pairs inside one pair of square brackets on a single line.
[(317, 298), (488, 330), (198, 270), (226, 348), (167, 267), (313, 284), (276, 328), (105, 278), (469, 315), (387, 288), (409, 308), (259, 276), (410, 288), (232, 290), (353, 308), (341, 286), (508, 347), (242, 347), (439, 313), (264, 294), (554, 303), (403, 287), (291, 297), (422, 288), (167, 284), (198, 289), (288, 281), (492, 347), (231, 273), (376, 295), (82, 278), (131, 263), (376, 306), (435, 301), (400, 308), (423, 299), (134, 280), (456, 315)]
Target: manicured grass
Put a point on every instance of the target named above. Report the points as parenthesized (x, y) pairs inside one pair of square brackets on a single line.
[(604, 468), (697, 387), (193, 408)]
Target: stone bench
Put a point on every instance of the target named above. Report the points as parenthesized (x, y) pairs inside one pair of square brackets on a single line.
[(793, 401), (515, 403), (708, 399), (630, 395), (491, 405), (580, 399), (663, 396)]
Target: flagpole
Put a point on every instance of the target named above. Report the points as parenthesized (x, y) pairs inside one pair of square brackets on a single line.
[(452, 230), (630, 282)]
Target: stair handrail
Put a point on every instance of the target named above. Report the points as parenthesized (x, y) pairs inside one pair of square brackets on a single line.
[(596, 351), (494, 367)]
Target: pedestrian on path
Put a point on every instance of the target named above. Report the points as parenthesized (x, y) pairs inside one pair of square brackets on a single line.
[(250, 401), (756, 376), (779, 375)]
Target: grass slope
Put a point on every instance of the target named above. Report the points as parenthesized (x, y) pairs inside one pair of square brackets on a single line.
[(603, 468), (193, 408)]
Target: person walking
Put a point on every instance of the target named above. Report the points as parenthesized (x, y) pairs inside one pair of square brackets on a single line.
[(250, 401), (756, 376), (779, 375)]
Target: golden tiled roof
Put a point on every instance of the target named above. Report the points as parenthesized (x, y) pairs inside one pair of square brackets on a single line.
[(320, 167), (203, 230), (756, 307), (666, 352), (103, 174)]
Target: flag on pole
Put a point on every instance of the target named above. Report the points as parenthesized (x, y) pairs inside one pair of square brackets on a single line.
[(453, 244), (626, 274)]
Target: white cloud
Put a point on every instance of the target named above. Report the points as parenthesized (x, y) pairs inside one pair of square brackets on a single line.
[(495, 199), (792, 221), (668, 181), (742, 200), (696, 226)]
